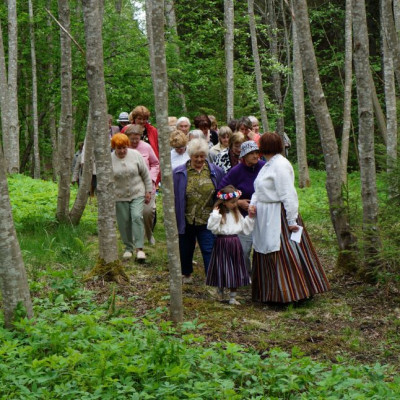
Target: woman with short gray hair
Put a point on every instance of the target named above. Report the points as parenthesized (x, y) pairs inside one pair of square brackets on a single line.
[(195, 184)]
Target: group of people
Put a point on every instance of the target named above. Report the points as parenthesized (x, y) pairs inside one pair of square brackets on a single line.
[(234, 193), (241, 199)]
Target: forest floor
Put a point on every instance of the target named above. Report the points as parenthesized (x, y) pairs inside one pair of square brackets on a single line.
[(353, 322)]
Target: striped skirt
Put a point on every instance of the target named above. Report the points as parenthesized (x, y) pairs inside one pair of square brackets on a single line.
[(290, 274), (227, 267)]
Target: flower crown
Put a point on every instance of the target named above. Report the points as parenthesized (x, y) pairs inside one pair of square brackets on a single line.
[(229, 196)]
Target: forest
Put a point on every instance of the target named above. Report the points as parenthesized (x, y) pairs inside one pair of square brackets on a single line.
[(78, 320)]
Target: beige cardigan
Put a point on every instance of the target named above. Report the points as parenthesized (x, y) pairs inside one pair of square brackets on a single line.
[(131, 176)]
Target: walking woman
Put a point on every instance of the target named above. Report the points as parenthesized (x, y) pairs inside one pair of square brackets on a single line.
[(283, 270)]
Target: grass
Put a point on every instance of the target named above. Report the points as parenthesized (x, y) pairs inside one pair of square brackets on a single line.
[(86, 340)]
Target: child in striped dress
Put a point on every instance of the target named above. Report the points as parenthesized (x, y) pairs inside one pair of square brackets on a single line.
[(227, 265)]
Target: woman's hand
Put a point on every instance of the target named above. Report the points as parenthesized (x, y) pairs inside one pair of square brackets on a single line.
[(293, 228), (147, 198), (251, 135), (252, 211), (244, 204)]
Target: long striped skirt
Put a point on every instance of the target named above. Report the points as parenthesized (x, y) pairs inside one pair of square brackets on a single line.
[(227, 267), (290, 274)]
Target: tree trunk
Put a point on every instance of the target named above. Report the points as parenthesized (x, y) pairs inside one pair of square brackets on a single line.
[(299, 112), (171, 21), (257, 66), (366, 136), (65, 124), (348, 74), (229, 47), (276, 76), (12, 155), (86, 178), (390, 95), (4, 95), (109, 266), (149, 31), (339, 213), (161, 105), (380, 116), (13, 281), (36, 156)]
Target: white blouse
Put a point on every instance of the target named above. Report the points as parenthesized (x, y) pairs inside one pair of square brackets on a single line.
[(274, 185), (230, 227)]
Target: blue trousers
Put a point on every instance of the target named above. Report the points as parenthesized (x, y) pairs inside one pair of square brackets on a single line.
[(187, 243)]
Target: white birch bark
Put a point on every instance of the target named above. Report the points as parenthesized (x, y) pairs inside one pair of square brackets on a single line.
[(161, 104), (13, 280), (299, 113), (4, 95), (366, 131), (36, 156), (105, 180), (229, 47), (257, 66), (12, 157), (390, 95), (339, 215), (396, 14), (348, 75), (65, 124), (149, 32)]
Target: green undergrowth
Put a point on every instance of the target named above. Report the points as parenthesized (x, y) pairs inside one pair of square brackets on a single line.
[(85, 344), (76, 349)]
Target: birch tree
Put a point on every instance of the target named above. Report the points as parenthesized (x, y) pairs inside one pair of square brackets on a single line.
[(13, 281), (365, 134), (257, 66), (65, 124), (348, 74), (36, 156), (299, 112), (390, 93), (229, 47), (338, 211), (161, 104), (3, 94), (108, 266)]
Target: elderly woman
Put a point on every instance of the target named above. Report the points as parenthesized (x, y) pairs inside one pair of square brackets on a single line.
[(134, 133), (229, 157), (255, 123), (204, 123), (195, 184), (245, 126), (178, 141), (183, 124), (224, 135), (132, 190), (242, 177), (283, 269)]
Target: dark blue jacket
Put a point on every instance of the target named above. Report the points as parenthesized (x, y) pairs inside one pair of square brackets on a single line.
[(180, 184)]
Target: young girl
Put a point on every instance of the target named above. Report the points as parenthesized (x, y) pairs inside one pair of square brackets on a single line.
[(227, 265)]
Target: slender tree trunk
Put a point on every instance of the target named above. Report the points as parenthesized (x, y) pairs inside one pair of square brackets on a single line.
[(276, 76), (4, 96), (396, 15), (366, 135), (149, 31), (13, 281), (171, 21), (257, 66), (108, 252), (161, 104), (86, 178), (65, 124), (390, 95), (299, 112), (229, 46), (348, 74), (36, 156), (12, 157), (339, 213), (380, 116)]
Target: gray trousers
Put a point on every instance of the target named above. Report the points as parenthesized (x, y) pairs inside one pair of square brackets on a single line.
[(149, 213), (130, 222), (247, 244)]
